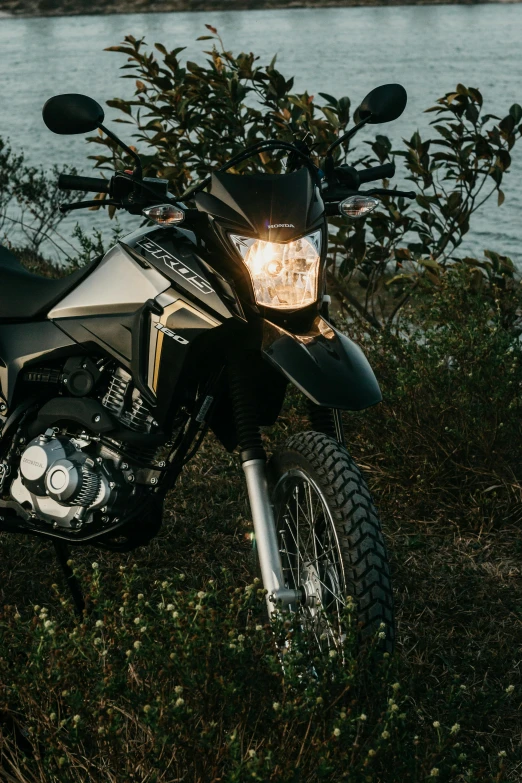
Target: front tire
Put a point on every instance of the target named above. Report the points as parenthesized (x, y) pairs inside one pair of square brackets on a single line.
[(330, 541)]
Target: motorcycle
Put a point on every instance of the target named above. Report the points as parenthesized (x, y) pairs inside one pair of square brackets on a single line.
[(111, 377)]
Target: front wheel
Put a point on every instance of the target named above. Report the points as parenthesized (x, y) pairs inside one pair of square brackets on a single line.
[(330, 541)]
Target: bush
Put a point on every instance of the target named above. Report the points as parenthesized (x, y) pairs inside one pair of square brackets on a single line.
[(450, 424), (192, 118)]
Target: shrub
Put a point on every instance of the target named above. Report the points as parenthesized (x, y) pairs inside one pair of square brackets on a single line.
[(192, 118), (450, 424)]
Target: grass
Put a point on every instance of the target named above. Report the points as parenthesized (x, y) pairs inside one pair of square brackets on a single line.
[(449, 497), (458, 600)]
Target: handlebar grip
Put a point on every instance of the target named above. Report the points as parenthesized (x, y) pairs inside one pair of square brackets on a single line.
[(377, 172), (88, 184)]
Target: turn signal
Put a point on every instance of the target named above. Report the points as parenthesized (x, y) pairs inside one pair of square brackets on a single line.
[(164, 215), (357, 206)]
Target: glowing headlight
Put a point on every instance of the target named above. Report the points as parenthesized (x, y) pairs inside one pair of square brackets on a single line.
[(283, 276)]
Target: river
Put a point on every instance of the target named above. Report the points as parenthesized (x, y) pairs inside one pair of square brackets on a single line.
[(429, 49)]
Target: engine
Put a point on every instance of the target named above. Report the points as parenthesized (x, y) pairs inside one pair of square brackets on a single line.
[(62, 484), (67, 475)]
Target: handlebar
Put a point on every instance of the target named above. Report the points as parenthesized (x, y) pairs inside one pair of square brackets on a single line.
[(376, 172), (87, 184)]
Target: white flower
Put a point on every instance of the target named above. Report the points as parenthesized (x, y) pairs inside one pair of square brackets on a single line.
[(336, 732), (201, 594), (95, 566), (241, 638), (396, 686), (502, 754), (143, 628), (99, 623), (97, 640), (332, 653), (128, 653), (164, 585), (385, 735), (170, 607), (146, 708), (175, 615), (382, 635), (510, 689), (52, 716), (137, 620), (455, 728), (140, 596), (276, 705), (48, 624), (259, 627), (232, 646), (394, 707), (436, 724), (137, 645), (76, 719), (121, 609), (434, 773), (372, 752), (179, 702), (362, 716)]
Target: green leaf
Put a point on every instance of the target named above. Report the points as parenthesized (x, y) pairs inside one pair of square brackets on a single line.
[(516, 112), (333, 101)]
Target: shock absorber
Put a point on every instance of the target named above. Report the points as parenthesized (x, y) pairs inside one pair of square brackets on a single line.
[(253, 459), (245, 412), (321, 419), (326, 420)]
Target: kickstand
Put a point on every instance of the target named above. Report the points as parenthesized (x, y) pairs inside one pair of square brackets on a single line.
[(62, 554)]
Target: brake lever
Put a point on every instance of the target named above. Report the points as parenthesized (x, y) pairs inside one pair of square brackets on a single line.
[(84, 204), (386, 192)]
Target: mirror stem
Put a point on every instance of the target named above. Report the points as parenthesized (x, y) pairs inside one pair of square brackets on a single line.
[(138, 170), (348, 135)]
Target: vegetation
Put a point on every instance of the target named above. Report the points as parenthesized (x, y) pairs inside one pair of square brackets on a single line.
[(77, 7), (172, 675)]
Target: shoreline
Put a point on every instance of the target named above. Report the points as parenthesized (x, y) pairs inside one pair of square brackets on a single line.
[(22, 9)]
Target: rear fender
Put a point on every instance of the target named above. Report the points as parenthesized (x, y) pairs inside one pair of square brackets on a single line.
[(328, 367)]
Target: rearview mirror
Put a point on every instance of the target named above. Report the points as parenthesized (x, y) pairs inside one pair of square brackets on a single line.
[(383, 104), (72, 113)]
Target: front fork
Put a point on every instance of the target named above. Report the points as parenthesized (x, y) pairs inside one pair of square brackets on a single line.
[(253, 459)]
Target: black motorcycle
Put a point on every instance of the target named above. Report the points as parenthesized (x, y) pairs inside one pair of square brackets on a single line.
[(110, 377)]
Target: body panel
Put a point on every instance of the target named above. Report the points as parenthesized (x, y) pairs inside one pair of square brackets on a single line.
[(324, 364), (174, 254), (118, 285), (272, 207), (24, 344)]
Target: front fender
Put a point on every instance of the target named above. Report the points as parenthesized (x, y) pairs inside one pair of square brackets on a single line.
[(328, 367)]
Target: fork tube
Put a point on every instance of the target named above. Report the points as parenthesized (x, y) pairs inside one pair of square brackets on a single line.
[(264, 528)]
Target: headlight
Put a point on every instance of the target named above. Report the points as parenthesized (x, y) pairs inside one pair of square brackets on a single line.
[(284, 276)]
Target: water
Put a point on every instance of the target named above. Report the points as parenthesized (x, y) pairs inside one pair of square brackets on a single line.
[(429, 49)]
